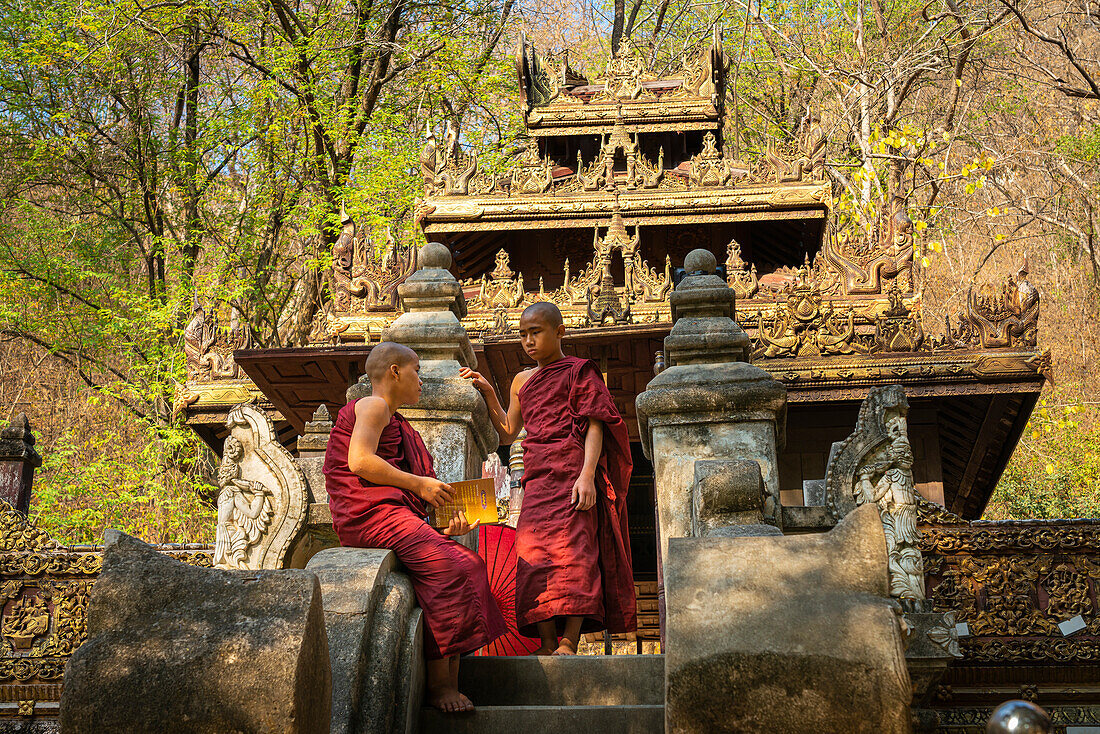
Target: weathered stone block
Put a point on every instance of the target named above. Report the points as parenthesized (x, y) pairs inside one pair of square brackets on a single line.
[(729, 498), (784, 634), (375, 641), (178, 648), (18, 460)]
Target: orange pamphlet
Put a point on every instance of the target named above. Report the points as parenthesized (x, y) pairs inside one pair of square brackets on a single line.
[(476, 497)]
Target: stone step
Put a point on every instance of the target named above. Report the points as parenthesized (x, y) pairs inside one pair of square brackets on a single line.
[(574, 680), (548, 720)]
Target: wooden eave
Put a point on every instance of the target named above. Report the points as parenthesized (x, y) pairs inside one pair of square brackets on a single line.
[(298, 379), (645, 207)]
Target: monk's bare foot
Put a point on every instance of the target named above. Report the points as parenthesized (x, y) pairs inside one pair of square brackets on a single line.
[(566, 648), (544, 650), (449, 701)]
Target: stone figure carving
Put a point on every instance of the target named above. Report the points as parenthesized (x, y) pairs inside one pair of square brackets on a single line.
[(263, 496), (244, 509), (874, 465)]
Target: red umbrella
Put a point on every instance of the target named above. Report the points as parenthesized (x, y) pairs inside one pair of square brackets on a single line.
[(497, 545)]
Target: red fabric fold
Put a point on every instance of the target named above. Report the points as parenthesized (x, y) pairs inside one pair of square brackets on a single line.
[(573, 563), (449, 579)]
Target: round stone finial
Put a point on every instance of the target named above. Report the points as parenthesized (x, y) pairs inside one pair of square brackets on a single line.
[(1018, 717), (700, 261), (436, 256)]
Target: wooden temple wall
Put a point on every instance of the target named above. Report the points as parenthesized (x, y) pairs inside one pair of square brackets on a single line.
[(1013, 584)]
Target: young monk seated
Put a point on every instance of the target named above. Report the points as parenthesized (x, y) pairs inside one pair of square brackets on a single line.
[(380, 482), (573, 570)]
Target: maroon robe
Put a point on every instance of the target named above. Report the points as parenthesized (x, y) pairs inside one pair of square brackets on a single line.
[(572, 563), (460, 614)]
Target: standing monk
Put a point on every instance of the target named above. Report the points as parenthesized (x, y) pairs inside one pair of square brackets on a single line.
[(380, 479), (573, 570)]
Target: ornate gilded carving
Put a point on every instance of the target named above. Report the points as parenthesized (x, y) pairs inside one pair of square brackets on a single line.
[(530, 173), (263, 499), (874, 465), (802, 162), (864, 263), (739, 275), (503, 289), (711, 168), (44, 591), (363, 278), (639, 172), (1008, 317), (18, 535), (208, 346), (540, 79), (1013, 582), (804, 325), (558, 97), (447, 171), (898, 329)]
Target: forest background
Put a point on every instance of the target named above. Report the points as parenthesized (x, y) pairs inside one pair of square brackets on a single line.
[(158, 150)]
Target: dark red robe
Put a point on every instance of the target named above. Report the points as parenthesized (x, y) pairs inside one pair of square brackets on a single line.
[(460, 614), (572, 563)]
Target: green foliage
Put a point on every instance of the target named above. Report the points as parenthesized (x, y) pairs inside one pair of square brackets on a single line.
[(1055, 471), (1084, 148), (92, 482)]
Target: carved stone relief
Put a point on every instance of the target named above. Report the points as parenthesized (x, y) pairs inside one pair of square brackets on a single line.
[(874, 465), (262, 496)]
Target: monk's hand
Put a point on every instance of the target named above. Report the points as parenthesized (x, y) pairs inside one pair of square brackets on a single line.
[(476, 378), (584, 492), (434, 492), (459, 525)]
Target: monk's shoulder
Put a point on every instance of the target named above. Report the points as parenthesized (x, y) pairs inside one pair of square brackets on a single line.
[(586, 369), (372, 412), (521, 379)]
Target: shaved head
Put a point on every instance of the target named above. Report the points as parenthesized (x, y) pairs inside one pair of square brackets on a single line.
[(544, 311), (386, 354)]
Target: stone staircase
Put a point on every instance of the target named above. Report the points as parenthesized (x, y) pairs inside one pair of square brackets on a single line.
[(583, 694)]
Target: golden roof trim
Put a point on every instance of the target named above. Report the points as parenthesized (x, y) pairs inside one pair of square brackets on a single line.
[(575, 205)]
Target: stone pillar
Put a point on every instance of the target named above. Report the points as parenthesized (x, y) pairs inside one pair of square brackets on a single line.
[(707, 414), (451, 415), (18, 460)]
